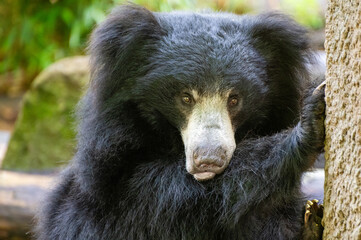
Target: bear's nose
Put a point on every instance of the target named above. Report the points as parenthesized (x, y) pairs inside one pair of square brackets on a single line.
[(209, 157)]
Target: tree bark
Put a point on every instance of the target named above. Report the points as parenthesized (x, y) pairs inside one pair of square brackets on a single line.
[(342, 213)]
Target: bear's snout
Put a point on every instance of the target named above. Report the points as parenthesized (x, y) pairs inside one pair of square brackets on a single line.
[(209, 157), (207, 161), (208, 137)]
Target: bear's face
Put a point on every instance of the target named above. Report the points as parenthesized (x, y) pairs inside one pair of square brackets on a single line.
[(213, 78), (208, 87), (207, 105)]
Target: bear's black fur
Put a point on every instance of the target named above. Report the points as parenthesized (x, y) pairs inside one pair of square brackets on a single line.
[(128, 178)]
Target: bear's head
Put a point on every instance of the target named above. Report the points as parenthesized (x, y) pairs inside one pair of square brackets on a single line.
[(215, 78)]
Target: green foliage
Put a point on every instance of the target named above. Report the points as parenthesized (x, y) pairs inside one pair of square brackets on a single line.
[(306, 12), (33, 34)]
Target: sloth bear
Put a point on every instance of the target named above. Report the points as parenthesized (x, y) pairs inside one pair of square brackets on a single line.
[(193, 127)]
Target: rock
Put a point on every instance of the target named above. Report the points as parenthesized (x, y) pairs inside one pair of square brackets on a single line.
[(44, 135)]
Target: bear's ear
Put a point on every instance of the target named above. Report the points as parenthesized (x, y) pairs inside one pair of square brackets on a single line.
[(119, 46), (280, 40), (284, 46)]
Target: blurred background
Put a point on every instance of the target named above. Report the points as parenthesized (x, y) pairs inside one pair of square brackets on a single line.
[(43, 72)]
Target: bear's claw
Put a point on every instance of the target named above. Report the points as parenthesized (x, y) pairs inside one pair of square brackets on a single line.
[(319, 88), (313, 220)]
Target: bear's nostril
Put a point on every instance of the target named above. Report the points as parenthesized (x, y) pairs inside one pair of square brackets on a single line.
[(214, 162), (212, 157), (205, 166)]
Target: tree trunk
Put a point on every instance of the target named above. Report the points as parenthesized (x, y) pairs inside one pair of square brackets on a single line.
[(342, 213)]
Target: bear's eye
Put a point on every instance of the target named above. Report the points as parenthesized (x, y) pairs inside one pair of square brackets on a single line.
[(187, 99), (233, 101)]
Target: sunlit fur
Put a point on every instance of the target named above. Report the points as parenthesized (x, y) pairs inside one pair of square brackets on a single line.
[(128, 179)]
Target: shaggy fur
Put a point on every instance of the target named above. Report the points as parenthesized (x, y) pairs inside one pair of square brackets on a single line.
[(128, 178)]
